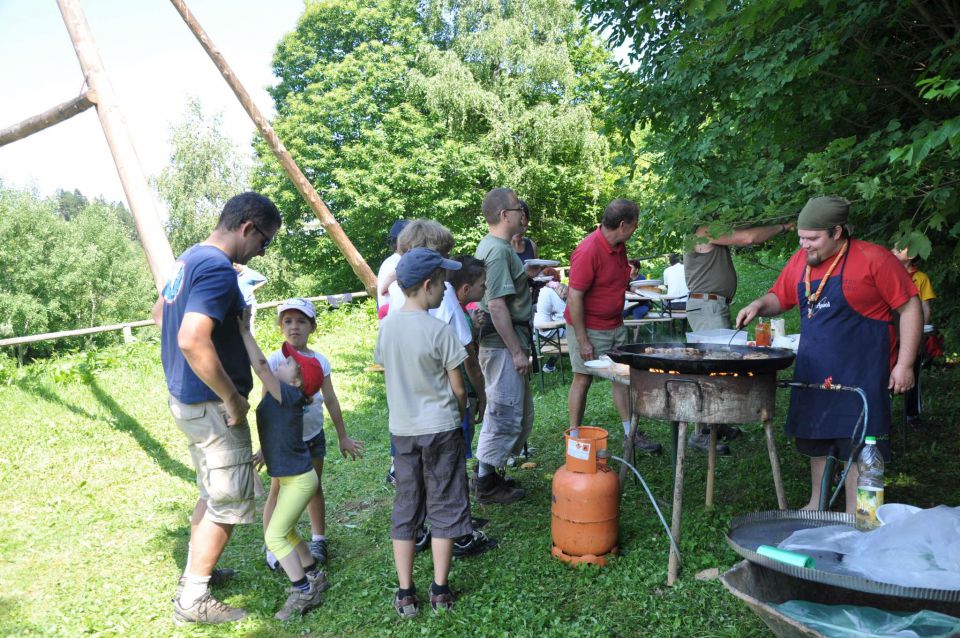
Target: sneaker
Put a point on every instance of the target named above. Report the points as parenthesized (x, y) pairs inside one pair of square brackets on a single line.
[(548, 368), (318, 549), (207, 610), (408, 606), (441, 602), (300, 602), (478, 523), (728, 432), (700, 441), (492, 489), (473, 544), (423, 539), (642, 443), (392, 477)]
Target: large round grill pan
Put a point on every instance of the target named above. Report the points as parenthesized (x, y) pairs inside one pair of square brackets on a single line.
[(633, 355)]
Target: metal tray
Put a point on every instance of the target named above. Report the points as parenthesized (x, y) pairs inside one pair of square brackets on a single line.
[(633, 355), (749, 531)]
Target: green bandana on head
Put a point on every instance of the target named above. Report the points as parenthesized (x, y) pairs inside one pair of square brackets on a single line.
[(824, 213)]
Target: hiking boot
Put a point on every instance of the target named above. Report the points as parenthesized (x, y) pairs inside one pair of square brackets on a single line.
[(492, 489), (422, 540), (700, 441), (472, 545), (319, 580), (441, 602), (318, 549), (408, 606), (728, 432), (642, 443), (207, 610), (300, 602)]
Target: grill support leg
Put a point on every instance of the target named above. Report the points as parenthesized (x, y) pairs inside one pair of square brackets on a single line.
[(711, 463), (775, 464), (680, 439)]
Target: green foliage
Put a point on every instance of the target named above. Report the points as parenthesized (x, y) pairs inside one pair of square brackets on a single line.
[(405, 109), (205, 170), (59, 275), (748, 109)]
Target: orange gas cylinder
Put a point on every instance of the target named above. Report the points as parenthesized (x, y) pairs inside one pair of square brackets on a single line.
[(586, 500)]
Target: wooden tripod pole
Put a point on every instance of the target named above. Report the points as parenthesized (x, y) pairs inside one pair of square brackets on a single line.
[(139, 195), (330, 225)]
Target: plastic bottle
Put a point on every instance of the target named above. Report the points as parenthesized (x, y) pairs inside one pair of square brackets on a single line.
[(869, 485)]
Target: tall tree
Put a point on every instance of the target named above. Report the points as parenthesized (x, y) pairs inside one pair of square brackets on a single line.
[(746, 109), (408, 109), (205, 170)]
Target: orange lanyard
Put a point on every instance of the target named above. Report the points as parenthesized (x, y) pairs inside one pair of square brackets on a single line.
[(812, 299)]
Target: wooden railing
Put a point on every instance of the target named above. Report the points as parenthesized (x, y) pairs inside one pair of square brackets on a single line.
[(127, 328)]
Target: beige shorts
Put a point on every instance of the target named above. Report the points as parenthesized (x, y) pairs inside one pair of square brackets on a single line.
[(602, 341), (222, 457)]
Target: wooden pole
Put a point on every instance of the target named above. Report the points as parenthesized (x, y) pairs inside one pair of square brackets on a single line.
[(673, 564), (139, 195), (330, 225), (48, 118)]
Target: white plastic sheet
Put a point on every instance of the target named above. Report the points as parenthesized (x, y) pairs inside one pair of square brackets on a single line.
[(920, 550)]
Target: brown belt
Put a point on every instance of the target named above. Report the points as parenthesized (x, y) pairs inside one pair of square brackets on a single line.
[(708, 296)]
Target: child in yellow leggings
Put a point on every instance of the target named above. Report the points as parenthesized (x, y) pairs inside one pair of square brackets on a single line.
[(280, 428)]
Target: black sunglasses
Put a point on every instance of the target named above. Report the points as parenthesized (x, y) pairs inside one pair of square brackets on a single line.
[(267, 239)]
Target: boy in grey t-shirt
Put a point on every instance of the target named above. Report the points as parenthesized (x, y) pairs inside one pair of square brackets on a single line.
[(426, 396)]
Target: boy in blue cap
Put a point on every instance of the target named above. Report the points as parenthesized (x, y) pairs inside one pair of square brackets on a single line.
[(427, 397)]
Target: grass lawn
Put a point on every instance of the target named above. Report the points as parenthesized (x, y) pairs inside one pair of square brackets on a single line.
[(97, 488)]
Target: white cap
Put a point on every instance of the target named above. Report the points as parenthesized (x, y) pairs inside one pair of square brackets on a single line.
[(298, 303)]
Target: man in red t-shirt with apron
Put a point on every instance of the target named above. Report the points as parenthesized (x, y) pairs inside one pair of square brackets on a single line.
[(847, 291)]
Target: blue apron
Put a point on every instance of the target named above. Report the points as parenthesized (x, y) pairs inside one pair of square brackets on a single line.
[(839, 342)]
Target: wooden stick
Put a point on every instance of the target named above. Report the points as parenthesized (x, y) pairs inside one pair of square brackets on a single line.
[(775, 464), (139, 196), (330, 225), (48, 118), (673, 566)]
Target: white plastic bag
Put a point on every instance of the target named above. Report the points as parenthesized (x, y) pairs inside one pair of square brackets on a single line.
[(920, 550)]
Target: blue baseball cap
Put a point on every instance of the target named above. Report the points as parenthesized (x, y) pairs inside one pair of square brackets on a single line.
[(417, 264), (397, 228)]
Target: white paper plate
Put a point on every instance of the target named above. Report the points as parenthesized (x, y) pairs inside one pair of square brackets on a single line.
[(546, 263), (543, 278), (646, 283), (602, 362)]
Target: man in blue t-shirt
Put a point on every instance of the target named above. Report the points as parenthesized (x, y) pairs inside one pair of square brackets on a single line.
[(208, 376)]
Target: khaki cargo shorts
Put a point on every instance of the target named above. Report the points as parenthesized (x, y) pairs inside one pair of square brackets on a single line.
[(222, 457), (603, 341)]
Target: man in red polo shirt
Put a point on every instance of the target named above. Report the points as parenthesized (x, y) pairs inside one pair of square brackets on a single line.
[(599, 274)]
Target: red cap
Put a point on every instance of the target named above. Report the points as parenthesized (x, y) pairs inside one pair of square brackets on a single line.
[(310, 370)]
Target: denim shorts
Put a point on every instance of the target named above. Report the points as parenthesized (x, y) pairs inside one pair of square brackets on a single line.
[(318, 446)]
